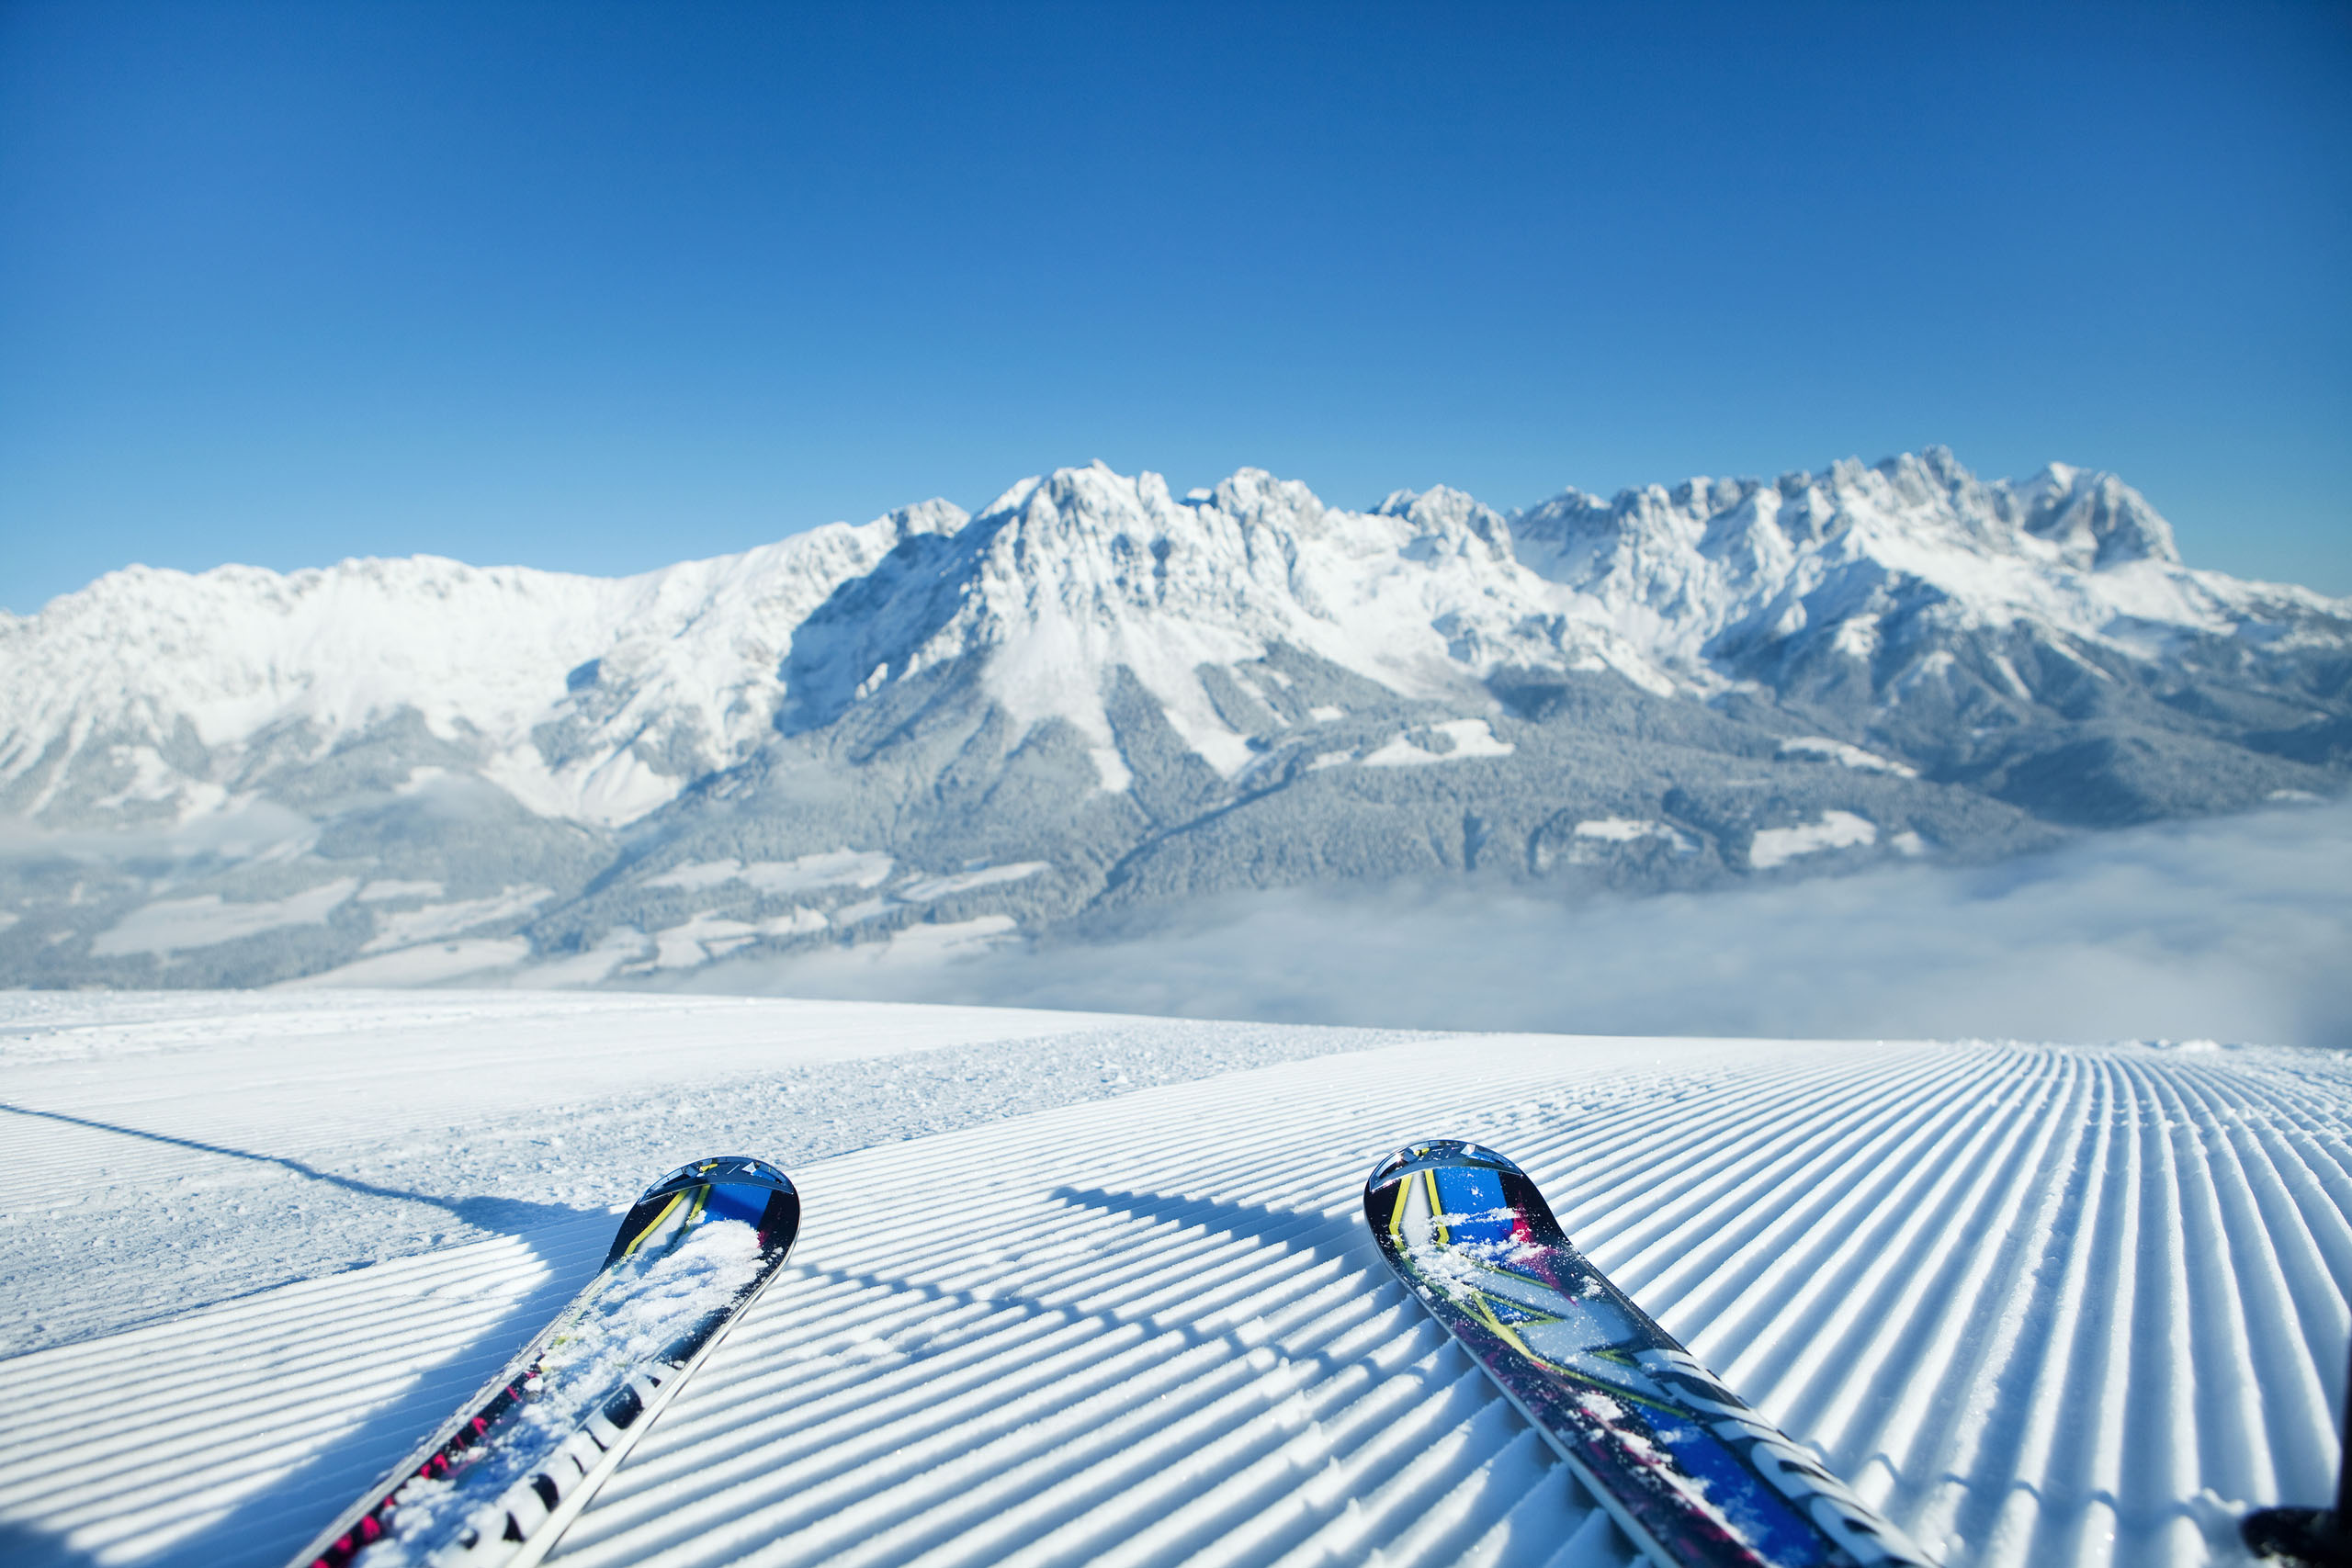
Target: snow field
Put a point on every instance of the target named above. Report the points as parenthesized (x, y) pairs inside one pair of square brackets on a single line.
[(2042, 1304), (163, 1152)]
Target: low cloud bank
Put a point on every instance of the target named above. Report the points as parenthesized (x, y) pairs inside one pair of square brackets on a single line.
[(2234, 929)]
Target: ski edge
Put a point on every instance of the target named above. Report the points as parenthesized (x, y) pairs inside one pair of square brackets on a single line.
[(575, 1502), (1397, 1167)]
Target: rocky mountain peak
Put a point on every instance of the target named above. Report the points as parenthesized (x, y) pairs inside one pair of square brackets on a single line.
[(2096, 520)]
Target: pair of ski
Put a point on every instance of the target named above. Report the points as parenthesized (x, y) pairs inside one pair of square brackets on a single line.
[(1695, 1477)]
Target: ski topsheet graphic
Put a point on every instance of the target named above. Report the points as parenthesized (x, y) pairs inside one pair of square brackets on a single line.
[(500, 1480), (1696, 1478)]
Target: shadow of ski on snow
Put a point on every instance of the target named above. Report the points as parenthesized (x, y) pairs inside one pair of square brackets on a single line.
[(267, 1524), (505, 1216)]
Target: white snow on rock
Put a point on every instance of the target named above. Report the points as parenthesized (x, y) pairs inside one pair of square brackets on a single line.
[(1111, 770), (1619, 830), (2041, 1305), (1716, 562), (242, 656), (1830, 830), (1846, 755)]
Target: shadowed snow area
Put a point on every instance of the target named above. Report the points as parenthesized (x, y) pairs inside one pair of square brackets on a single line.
[(2237, 929), (2042, 1303)]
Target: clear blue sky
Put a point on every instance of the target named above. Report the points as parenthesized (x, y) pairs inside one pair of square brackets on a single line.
[(598, 287)]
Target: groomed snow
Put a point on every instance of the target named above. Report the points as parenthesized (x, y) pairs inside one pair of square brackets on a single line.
[(2044, 1305)]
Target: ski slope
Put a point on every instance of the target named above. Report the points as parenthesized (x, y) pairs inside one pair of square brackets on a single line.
[(1098, 1290)]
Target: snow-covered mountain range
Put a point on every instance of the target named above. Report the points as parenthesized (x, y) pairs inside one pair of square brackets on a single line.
[(1096, 696)]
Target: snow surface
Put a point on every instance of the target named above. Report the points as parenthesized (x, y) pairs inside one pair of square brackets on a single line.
[(924, 889), (1451, 740), (1847, 754), (434, 921), (426, 966), (833, 868), (170, 924), (1080, 1288), (1830, 830)]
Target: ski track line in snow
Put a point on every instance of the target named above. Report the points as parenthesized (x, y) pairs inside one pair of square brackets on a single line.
[(2042, 1304)]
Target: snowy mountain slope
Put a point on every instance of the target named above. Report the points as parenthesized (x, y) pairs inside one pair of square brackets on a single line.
[(156, 697), (399, 772), (2042, 1304), (1937, 612)]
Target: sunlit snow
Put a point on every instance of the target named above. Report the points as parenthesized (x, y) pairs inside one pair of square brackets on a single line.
[(1830, 830), (1453, 740), (1071, 1286), (1847, 754)]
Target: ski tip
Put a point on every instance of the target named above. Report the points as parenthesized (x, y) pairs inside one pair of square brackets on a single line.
[(2297, 1536), (730, 1170), (1432, 1154), (723, 1186)]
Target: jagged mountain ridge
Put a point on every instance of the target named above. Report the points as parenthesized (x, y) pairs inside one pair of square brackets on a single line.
[(1094, 694)]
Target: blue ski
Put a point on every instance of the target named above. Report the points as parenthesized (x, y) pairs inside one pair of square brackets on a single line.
[(500, 1479), (1696, 1478)]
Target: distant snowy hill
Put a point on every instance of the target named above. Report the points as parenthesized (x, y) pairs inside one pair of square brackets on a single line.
[(938, 729)]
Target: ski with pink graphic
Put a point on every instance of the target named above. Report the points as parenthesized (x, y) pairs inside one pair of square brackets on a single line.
[(503, 1478)]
